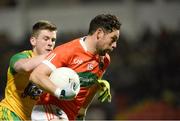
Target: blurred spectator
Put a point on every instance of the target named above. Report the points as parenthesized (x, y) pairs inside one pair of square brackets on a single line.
[(8, 3)]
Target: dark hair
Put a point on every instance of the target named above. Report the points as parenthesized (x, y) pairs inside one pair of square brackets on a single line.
[(43, 25), (107, 22)]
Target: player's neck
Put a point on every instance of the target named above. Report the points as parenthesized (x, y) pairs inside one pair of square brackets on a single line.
[(90, 44), (35, 53)]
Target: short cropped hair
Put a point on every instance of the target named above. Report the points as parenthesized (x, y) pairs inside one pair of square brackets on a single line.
[(43, 25), (107, 22)]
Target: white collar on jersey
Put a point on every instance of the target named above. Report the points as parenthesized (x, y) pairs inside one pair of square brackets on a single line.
[(83, 44)]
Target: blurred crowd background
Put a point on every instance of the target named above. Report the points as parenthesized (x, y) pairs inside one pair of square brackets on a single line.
[(145, 68)]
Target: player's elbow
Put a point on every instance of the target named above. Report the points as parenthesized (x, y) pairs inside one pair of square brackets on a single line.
[(26, 69), (22, 67), (34, 77)]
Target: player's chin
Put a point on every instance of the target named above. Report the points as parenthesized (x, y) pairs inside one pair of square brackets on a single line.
[(45, 52), (48, 50), (109, 51), (102, 53)]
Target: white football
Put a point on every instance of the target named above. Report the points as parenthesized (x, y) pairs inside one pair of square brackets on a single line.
[(64, 76)]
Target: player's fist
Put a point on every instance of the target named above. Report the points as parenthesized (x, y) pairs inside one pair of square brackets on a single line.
[(104, 92), (32, 90)]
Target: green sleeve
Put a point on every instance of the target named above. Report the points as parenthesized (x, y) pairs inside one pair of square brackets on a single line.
[(15, 58)]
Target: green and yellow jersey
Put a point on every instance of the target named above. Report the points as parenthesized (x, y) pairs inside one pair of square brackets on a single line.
[(15, 100)]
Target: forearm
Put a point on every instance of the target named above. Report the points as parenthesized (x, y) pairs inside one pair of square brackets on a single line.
[(42, 81), (28, 64), (87, 102), (91, 95)]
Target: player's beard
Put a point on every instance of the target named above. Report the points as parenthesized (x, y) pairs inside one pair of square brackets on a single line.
[(103, 52)]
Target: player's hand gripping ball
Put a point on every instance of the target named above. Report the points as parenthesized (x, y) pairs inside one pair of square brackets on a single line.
[(67, 81)]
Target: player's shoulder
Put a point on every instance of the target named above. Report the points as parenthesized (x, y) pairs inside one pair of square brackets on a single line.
[(24, 53), (20, 55), (27, 52)]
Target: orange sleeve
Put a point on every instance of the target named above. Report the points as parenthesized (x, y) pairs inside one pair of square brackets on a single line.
[(90, 95), (107, 61)]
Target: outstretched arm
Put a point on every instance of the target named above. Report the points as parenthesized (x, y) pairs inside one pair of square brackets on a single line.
[(28, 64)]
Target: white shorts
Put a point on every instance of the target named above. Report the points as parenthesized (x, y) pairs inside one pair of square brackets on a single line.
[(48, 112)]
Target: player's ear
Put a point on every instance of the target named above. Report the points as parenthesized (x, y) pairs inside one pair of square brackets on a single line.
[(33, 41), (100, 33)]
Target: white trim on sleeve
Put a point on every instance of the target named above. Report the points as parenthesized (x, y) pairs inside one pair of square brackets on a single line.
[(49, 64)]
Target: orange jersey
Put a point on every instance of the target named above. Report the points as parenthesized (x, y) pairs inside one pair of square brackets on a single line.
[(89, 67)]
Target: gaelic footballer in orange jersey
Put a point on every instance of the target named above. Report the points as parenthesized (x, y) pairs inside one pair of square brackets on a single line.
[(89, 67), (89, 57)]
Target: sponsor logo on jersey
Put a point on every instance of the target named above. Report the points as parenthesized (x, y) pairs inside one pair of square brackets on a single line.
[(77, 61)]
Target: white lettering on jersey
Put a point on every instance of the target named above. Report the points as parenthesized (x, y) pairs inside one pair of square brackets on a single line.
[(77, 61), (90, 66)]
